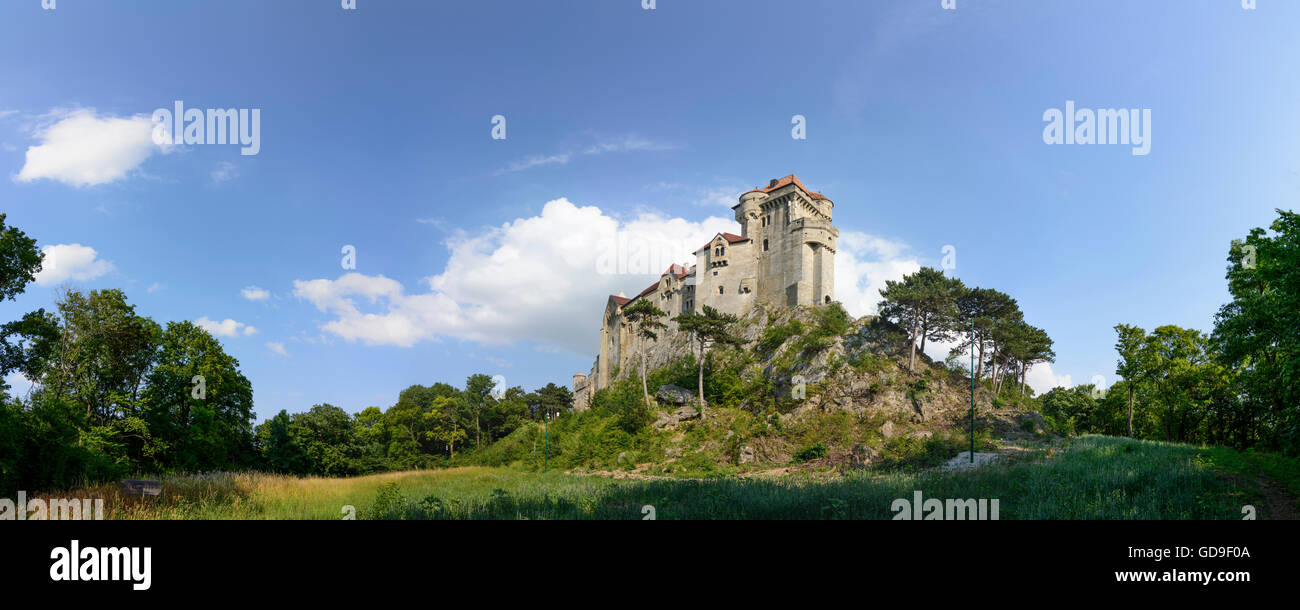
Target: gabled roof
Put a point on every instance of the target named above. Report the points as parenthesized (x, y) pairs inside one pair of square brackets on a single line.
[(731, 238), (783, 182), (677, 271)]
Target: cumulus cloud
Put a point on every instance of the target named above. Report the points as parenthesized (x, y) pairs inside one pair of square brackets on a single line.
[(83, 149), (546, 278), (253, 293), (1041, 378), (65, 262), (226, 327), (863, 263)]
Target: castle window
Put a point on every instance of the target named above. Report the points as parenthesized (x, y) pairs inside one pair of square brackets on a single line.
[(719, 289), (828, 299), (765, 245)]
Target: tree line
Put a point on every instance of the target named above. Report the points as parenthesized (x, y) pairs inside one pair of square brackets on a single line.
[(930, 306), (115, 393), (1238, 385)]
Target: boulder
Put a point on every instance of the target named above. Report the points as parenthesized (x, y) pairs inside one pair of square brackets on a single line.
[(678, 416), (746, 454), (861, 456), (684, 413), (672, 394), (887, 429)]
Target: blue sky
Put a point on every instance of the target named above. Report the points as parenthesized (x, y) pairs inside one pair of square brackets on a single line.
[(924, 125)]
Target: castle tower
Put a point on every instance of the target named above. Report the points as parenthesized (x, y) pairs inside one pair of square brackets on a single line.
[(794, 241)]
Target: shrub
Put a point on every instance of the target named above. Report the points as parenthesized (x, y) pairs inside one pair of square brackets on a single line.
[(811, 452), (775, 336), (867, 362)]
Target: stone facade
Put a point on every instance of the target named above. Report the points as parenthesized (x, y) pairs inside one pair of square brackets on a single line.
[(784, 256)]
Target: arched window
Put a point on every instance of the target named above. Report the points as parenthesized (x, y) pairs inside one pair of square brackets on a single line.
[(828, 299)]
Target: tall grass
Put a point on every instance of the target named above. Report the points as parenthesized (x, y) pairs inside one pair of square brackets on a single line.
[(1093, 478)]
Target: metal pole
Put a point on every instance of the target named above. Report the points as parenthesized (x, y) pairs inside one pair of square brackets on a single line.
[(972, 389), (546, 441)]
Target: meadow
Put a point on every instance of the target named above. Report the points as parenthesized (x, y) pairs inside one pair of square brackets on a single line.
[(1090, 477)]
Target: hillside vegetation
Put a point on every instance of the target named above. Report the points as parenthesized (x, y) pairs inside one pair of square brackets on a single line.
[(858, 407), (1092, 477)]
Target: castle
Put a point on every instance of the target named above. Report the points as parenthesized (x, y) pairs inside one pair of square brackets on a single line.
[(784, 256)]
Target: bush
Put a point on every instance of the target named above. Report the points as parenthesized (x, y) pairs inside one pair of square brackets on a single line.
[(775, 336), (811, 452)]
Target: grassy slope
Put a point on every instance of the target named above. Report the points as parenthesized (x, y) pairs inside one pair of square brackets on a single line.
[(1094, 478)]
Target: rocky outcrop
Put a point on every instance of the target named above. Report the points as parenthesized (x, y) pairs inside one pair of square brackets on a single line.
[(674, 395), (670, 420)]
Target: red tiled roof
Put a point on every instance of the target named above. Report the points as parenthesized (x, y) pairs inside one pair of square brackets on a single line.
[(620, 300), (781, 182), (676, 270), (731, 238)]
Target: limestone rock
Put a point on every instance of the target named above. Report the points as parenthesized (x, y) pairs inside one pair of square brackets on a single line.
[(674, 394)]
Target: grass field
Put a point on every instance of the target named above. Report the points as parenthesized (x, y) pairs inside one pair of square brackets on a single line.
[(1091, 477)]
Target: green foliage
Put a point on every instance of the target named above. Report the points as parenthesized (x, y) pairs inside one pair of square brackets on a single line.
[(867, 362), (775, 336), (20, 260), (812, 452)]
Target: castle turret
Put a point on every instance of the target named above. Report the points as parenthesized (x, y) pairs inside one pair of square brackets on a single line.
[(579, 392)]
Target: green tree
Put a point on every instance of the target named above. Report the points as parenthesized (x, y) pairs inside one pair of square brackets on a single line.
[(328, 440), (476, 397), (924, 302), (1257, 333), (981, 308), (708, 328), (280, 449), (644, 318), (104, 353), (20, 260), (198, 402), (1133, 361)]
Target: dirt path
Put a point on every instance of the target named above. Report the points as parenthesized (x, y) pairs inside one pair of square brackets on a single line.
[(1278, 504)]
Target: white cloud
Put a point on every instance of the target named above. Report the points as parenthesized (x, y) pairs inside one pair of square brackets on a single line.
[(537, 279), (64, 262), (1041, 378), (863, 263), (253, 293), (225, 171), (82, 149), (154, 287), (531, 279), (225, 328), (277, 347)]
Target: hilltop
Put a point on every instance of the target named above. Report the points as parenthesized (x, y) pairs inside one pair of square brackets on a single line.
[(811, 389)]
